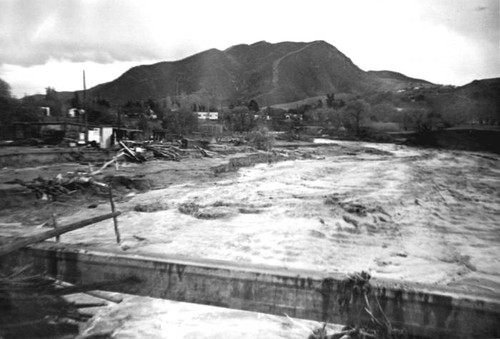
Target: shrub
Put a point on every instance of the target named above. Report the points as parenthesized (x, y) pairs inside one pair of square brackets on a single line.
[(261, 139)]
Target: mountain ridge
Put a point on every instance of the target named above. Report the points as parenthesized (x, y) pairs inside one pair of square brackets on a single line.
[(269, 73)]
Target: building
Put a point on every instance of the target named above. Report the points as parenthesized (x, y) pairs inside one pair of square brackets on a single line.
[(52, 132), (213, 116)]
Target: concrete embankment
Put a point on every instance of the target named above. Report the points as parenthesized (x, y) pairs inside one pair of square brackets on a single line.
[(423, 311), (31, 156)]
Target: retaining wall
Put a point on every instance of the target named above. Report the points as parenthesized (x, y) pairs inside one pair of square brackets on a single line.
[(43, 156), (424, 311)]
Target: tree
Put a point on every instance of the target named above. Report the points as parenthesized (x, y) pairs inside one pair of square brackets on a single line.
[(242, 119), (4, 89), (75, 101), (12, 109), (181, 122), (253, 106), (7, 103), (355, 111), (52, 100), (384, 112), (330, 100)]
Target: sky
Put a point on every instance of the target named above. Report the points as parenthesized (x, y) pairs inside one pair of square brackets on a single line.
[(50, 42)]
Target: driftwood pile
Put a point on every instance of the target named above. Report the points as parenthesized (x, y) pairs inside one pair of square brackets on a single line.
[(354, 303), (167, 152), (144, 151), (53, 189), (63, 185)]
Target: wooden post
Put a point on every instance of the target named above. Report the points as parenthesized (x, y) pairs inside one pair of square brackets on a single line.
[(115, 221), (18, 244), (54, 225)]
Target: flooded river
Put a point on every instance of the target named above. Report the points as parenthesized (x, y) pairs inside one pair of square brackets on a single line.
[(418, 215)]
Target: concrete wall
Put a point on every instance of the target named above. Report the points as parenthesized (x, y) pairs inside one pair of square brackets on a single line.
[(424, 311), (35, 157)]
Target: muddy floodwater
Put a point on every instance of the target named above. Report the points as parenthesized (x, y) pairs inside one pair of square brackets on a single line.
[(420, 215)]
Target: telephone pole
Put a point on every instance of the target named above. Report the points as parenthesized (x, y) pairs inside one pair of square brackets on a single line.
[(85, 109)]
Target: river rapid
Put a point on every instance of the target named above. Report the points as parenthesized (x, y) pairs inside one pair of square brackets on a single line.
[(419, 215)]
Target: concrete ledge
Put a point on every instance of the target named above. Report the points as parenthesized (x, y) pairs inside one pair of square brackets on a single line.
[(43, 156), (424, 311)]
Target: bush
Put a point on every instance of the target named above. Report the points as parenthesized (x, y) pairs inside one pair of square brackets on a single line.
[(261, 139)]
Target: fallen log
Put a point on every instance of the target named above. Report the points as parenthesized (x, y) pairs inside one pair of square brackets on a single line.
[(18, 244), (83, 288), (203, 152), (108, 296)]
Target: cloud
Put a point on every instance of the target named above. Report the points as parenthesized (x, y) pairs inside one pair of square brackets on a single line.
[(34, 32), (446, 41), (63, 76)]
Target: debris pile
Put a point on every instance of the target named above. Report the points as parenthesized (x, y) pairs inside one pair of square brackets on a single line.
[(167, 152), (145, 151), (354, 295), (33, 307), (62, 185), (36, 306)]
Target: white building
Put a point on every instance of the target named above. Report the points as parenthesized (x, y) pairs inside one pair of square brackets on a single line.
[(208, 115), (202, 115)]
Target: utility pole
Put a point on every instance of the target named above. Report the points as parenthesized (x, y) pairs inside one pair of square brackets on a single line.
[(85, 109), (118, 131)]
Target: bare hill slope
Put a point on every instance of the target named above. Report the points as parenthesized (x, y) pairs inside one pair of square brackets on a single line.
[(269, 73)]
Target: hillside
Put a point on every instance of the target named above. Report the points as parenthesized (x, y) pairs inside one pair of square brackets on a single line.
[(390, 81), (269, 73), (477, 102)]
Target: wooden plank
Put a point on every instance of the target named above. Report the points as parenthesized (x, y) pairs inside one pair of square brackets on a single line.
[(115, 220), (18, 244)]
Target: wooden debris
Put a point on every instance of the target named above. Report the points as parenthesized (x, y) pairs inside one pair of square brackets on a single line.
[(60, 186), (30, 309), (204, 152), (353, 302), (160, 151), (108, 296), (115, 220), (114, 160), (54, 225), (35, 306), (73, 289), (20, 243), (130, 153), (163, 151)]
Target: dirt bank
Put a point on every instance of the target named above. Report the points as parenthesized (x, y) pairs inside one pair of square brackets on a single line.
[(469, 139)]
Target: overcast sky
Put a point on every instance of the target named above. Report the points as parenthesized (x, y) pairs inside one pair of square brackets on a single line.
[(49, 42)]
